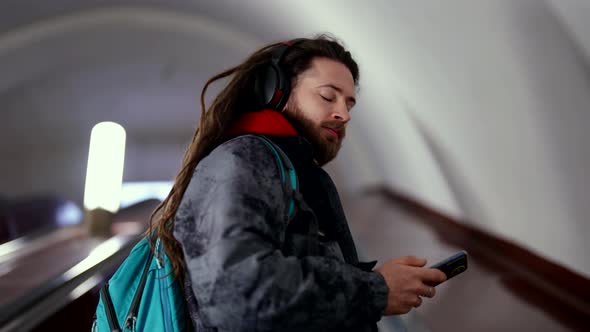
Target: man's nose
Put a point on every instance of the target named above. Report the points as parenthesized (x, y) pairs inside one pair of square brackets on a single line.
[(341, 114)]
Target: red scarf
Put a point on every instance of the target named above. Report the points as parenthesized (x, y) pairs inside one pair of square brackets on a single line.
[(265, 122)]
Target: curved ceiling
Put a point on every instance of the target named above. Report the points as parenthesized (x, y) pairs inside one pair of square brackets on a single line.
[(476, 108)]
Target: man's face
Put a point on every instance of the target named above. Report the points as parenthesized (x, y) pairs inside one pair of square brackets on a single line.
[(319, 106)]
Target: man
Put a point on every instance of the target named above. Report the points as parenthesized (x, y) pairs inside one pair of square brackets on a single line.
[(246, 267)]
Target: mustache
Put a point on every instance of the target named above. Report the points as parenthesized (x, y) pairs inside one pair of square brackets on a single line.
[(335, 125)]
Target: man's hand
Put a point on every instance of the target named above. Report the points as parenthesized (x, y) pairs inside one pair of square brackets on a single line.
[(408, 280)]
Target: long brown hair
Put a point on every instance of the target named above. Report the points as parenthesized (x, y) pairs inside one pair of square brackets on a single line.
[(235, 99)]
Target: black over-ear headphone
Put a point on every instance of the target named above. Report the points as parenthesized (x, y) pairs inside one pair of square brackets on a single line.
[(272, 86)]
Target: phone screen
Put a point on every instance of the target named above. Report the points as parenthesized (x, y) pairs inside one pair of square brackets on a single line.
[(453, 265)]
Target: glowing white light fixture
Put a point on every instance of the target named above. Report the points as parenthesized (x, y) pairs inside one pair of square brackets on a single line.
[(104, 175)]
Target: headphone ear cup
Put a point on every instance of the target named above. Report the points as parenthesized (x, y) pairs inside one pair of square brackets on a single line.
[(283, 93), (266, 83), (272, 86)]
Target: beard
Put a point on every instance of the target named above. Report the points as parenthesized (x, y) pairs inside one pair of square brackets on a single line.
[(325, 148)]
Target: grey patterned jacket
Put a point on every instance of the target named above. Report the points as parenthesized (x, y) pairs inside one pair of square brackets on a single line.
[(250, 270)]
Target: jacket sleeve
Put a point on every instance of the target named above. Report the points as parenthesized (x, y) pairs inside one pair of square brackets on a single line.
[(231, 226)]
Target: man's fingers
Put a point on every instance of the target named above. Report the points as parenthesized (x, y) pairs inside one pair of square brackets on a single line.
[(417, 302), (427, 291), (411, 261)]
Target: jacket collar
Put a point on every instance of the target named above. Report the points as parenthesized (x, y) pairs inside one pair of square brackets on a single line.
[(264, 122), (274, 125)]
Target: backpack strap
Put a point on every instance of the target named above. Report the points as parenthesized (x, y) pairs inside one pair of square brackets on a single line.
[(134, 308), (291, 184), (288, 175)]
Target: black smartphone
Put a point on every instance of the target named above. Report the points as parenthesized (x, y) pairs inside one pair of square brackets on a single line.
[(453, 265)]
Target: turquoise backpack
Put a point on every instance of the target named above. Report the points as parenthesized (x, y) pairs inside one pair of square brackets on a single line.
[(143, 294)]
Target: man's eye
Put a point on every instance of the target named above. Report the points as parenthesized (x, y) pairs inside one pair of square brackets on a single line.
[(326, 99)]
